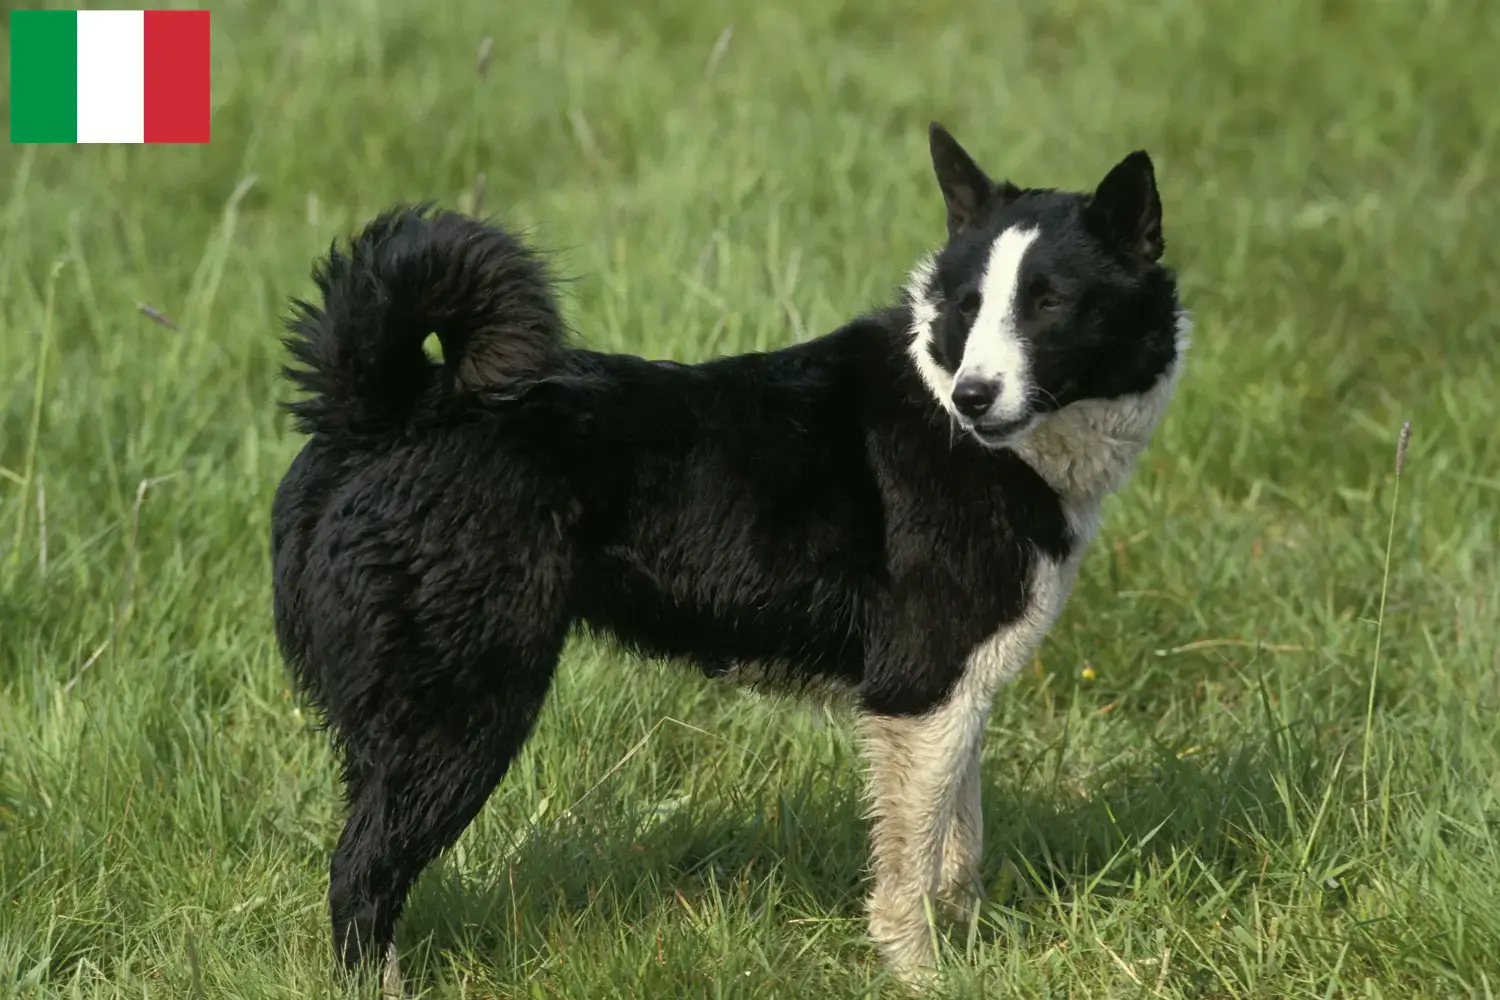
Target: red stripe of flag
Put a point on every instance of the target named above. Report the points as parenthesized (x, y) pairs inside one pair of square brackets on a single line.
[(176, 76)]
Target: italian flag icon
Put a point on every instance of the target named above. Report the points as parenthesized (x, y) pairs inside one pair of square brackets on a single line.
[(109, 76)]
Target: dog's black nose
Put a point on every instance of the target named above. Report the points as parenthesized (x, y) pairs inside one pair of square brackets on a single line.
[(974, 396)]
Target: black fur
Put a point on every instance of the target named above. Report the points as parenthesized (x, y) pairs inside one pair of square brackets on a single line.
[(810, 510)]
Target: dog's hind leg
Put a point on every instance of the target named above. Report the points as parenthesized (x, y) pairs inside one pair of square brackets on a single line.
[(414, 780)]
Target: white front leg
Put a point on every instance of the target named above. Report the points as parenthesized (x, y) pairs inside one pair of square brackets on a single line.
[(917, 775), (924, 787), (961, 883)]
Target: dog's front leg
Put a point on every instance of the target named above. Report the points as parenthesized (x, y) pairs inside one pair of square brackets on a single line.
[(919, 767), (960, 884)]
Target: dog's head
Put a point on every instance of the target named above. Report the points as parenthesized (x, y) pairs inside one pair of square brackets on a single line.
[(1041, 298)]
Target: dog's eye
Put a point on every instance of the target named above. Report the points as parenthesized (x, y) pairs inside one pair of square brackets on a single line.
[(1045, 300), (968, 306)]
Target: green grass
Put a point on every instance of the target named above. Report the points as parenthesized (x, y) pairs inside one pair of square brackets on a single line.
[(1196, 793)]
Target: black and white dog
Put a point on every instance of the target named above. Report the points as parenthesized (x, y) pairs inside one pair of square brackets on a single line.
[(897, 509)]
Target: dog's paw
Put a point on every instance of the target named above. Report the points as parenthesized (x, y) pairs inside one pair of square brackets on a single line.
[(961, 906), (392, 984)]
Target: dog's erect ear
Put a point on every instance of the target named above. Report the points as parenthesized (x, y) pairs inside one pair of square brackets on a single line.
[(966, 188), (1126, 208)]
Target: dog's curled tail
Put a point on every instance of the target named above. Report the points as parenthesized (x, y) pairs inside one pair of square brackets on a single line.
[(413, 272)]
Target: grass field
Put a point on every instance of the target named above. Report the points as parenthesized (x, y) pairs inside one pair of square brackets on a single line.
[(1209, 785)]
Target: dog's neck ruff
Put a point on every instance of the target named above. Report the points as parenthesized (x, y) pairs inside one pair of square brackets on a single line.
[(1087, 449)]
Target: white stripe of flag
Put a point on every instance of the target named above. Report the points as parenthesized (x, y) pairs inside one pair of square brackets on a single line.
[(111, 76)]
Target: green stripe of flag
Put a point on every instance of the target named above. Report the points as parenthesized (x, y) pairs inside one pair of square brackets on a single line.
[(43, 76)]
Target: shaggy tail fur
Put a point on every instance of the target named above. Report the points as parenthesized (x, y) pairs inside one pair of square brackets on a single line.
[(411, 273)]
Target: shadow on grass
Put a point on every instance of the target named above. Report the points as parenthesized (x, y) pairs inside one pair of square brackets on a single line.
[(807, 855)]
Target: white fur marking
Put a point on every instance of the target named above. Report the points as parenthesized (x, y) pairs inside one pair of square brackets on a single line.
[(1086, 450), (924, 314), (994, 349), (924, 783), (392, 983)]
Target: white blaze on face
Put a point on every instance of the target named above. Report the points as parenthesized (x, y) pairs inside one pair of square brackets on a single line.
[(994, 349)]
